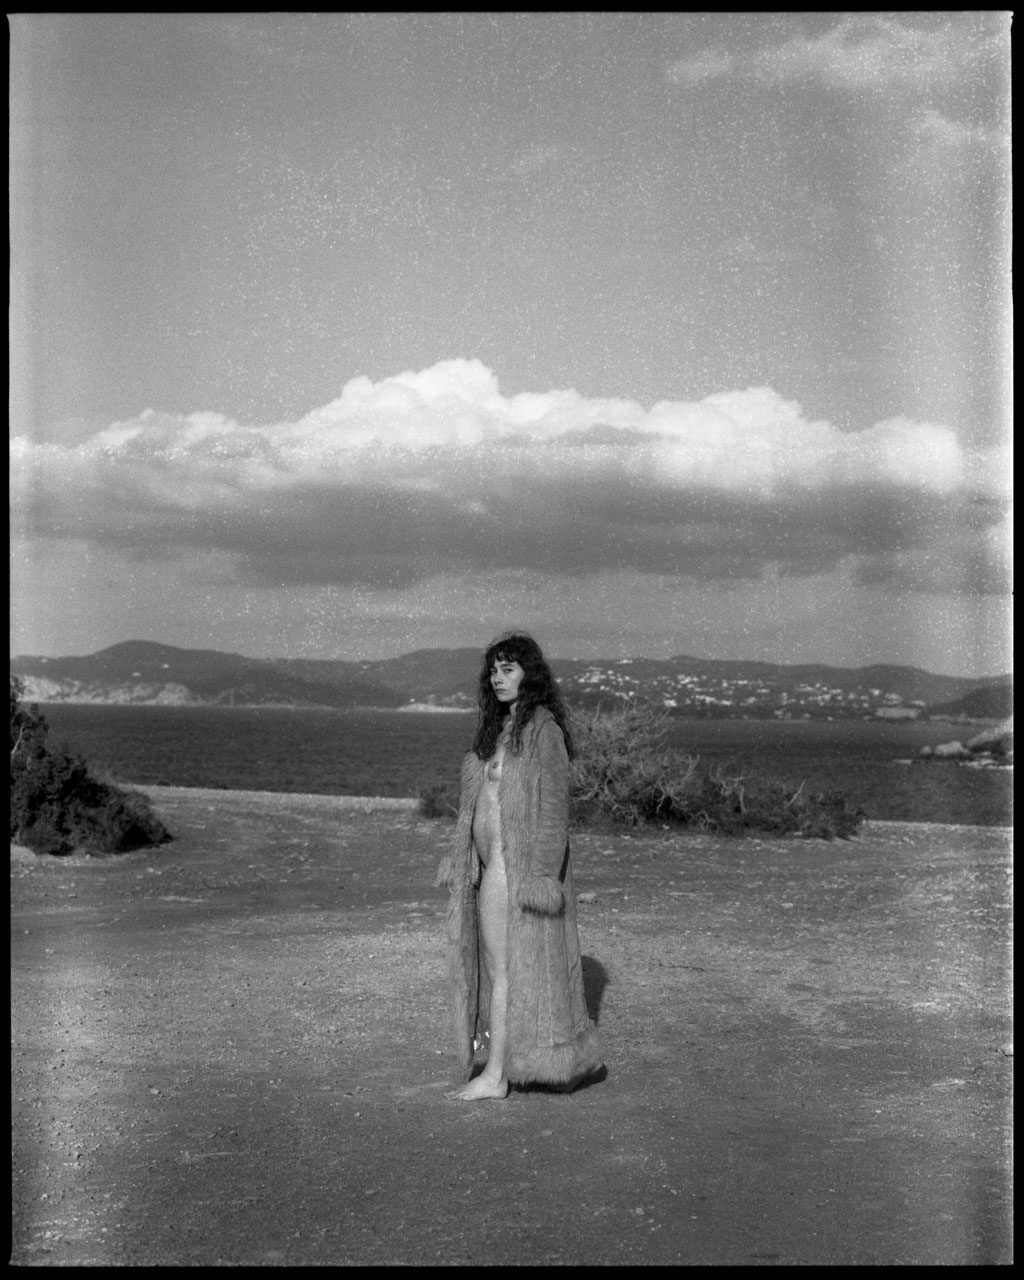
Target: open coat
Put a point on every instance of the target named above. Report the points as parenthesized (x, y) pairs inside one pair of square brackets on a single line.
[(549, 1036)]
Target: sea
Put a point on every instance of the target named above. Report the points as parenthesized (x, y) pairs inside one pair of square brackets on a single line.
[(874, 763)]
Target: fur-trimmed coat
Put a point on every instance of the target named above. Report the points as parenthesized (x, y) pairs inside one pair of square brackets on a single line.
[(549, 1036)]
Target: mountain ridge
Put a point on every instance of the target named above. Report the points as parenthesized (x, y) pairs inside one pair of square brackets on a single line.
[(151, 673)]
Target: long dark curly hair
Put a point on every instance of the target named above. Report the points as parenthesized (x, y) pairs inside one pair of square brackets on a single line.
[(538, 689)]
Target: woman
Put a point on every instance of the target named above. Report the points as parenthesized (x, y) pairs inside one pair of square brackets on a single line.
[(515, 964)]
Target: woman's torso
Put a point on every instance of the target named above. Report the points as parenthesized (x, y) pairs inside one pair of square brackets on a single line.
[(486, 816)]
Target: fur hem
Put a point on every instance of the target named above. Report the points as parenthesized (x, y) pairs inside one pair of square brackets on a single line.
[(557, 1063), (541, 894), (464, 1057)]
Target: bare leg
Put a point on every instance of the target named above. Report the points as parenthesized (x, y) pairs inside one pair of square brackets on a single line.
[(493, 913)]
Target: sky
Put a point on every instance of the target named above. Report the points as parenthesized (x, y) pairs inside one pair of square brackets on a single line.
[(342, 336)]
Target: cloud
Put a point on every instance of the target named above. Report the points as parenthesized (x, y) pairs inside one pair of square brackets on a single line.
[(933, 127), (710, 64), (982, 565), (862, 53), (438, 471), (868, 52)]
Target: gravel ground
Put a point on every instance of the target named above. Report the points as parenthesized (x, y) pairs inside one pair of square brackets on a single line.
[(232, 1051)]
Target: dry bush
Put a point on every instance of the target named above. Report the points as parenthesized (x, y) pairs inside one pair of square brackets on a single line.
[(439, 800), (624, 769), (58, 805), (627, 773), (744, 801)]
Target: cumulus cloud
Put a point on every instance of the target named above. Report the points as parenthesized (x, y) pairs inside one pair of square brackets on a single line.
[(437, 470)]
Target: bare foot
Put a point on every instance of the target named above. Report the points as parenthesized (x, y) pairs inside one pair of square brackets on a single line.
[(479, 1088)]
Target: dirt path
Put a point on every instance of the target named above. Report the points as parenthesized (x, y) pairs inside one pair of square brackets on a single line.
[(232, 1051)]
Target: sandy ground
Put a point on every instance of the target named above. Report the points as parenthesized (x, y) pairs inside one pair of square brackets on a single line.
[(232, 1051)]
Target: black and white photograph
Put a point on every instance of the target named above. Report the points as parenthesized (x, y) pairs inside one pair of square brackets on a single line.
[(511, 686)]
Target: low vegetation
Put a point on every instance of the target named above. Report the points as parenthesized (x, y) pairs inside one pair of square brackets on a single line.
[(58, 806), (439, 800), (625, 773)]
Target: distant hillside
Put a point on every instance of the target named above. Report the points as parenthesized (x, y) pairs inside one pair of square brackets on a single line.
[(911, 683), (990, 702), (148, 673), (140, 671), (439, 674), (444, 674)]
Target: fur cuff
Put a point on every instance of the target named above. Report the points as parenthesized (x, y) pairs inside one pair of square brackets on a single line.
[(543, 895)]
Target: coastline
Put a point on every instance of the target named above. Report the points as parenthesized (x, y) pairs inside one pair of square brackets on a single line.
[(430, 708), (363, 804)]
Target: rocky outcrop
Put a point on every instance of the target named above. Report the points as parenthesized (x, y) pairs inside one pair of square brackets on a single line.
[(998, 739), (169, 693), (991, 747)]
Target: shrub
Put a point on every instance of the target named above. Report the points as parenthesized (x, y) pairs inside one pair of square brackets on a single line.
[(439, 800), (624, 769), (731, 803), (58, 806), (626, 772)]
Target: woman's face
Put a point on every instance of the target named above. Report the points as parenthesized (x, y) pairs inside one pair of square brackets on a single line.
[(506, 677)]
